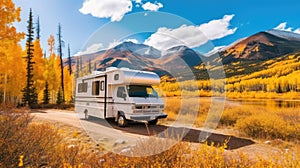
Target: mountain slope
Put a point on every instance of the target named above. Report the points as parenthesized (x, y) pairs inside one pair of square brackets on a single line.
[(260, 46)]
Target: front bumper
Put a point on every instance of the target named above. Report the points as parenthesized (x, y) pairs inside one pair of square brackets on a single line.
[(146, 117)]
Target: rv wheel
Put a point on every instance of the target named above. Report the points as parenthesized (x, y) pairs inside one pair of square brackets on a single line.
[(152, 122), (122, 122), (86, 115)]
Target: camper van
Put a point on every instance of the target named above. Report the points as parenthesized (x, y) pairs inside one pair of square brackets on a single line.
[(120, 93)]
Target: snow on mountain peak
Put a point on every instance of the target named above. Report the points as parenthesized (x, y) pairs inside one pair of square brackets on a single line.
[(285, 34)]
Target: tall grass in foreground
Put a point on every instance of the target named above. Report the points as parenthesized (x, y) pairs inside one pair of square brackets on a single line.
[(24, 143)]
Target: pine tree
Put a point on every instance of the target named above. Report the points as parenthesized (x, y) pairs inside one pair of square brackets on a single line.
[(29, 92), (60, 45), (59, 99), (279, 90), (38, 28), (95, 66), (77, 68), (80, 64), (89, 67), (46, 94), (69, 60)]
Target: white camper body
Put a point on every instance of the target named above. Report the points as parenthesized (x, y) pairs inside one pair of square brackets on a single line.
[(119, 93)]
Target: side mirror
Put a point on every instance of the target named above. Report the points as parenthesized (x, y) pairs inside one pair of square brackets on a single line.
[(124, 95)]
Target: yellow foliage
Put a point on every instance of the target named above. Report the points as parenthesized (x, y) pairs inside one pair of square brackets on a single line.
[(38, 69), (11, 80), (267, 126), (69, 85)]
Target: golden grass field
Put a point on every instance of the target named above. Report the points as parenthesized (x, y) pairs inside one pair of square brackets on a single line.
[(256, 121)]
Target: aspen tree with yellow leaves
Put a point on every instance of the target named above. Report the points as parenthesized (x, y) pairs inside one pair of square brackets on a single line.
[(38, 69), (52, 70), (10, 50), (39, 64), (69, 85)]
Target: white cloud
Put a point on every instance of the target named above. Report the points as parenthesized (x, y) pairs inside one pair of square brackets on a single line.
[(91, 49), (191, 36), (283, 27), (217, 29), (113, 9), (138, 1), (152, 6), (132, 40), (113, 44)]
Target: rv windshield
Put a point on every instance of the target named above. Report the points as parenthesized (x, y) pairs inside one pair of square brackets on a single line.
[(141, 91)]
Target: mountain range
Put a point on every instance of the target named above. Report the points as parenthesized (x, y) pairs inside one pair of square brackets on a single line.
[(248, 51)]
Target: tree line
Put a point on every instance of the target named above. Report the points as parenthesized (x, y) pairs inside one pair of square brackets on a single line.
[(30, 75)]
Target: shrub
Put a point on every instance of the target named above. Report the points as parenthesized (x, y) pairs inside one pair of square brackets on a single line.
[(266, 126), (31, 144)]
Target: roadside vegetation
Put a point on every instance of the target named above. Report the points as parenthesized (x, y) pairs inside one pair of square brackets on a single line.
[(24, 143), (265, 122)]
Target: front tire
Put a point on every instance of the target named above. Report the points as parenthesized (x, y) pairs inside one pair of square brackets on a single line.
[(122, 121)]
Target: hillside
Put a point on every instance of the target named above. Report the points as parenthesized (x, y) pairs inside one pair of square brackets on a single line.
[(260, 46)]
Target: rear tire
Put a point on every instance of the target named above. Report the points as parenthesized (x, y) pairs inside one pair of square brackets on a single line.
[(153, 122), (122, 121), (86, 115)]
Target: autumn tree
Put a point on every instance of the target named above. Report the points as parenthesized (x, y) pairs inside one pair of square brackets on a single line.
[(89, 67), (52, 70), (69, 88), (10, 51), (38, 68), (29, 92)]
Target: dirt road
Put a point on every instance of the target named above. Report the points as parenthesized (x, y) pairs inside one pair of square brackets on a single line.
[(109, 134)]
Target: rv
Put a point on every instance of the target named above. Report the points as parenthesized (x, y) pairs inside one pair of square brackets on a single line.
[(120, 93)]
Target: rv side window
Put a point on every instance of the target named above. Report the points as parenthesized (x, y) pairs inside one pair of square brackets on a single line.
[(116, 77), (82, 87), (102, 85), (121, 92), (95, 88)]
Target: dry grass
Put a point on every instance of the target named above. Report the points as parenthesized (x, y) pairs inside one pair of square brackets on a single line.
[(258, 122), (27, 144)]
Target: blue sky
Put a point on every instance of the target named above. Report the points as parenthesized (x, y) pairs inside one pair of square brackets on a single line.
[(220, 21)]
